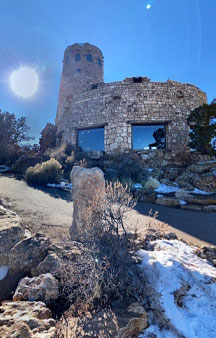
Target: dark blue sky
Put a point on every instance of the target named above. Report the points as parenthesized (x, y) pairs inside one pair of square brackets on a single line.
[(175, 39)]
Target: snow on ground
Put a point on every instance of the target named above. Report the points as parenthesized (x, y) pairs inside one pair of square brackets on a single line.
[(172, 266), (202, 162), (61, 185), (3, 271), (166, 189), (182, 202), (154, 329), (137, 186)]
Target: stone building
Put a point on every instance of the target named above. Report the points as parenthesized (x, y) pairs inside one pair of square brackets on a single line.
[(131, 114)]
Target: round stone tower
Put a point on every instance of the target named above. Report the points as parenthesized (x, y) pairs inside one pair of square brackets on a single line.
[(82, 68)]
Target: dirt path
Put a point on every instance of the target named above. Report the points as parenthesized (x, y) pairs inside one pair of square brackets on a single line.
[(51, 211), (39, 209)]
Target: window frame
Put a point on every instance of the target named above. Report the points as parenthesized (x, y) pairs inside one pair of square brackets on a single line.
[(149, 124)]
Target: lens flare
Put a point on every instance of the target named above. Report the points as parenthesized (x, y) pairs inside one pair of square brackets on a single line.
[(24, 82)]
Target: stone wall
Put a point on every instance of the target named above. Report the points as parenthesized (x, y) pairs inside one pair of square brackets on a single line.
[(82, 67), (118, 105)]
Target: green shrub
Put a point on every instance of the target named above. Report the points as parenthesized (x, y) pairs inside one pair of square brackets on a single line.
[(45, 172), (125, 168)]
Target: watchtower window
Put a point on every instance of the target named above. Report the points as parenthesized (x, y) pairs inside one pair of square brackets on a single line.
[(94, 86), (99, 61), (150, 136), (91, 139), (77, 57), (89, 57), (137, 79)]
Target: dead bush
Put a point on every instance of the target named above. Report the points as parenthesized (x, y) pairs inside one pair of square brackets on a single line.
[(106, 270)]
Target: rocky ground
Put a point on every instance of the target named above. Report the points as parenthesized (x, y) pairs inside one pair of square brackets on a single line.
[(176, 275)]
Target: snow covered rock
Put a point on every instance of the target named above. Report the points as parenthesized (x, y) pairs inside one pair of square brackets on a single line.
[(185, 287)]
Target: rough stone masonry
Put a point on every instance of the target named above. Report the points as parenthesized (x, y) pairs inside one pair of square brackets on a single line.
[(86, 102)]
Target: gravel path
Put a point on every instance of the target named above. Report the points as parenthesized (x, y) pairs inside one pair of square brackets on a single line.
[(50, 211)]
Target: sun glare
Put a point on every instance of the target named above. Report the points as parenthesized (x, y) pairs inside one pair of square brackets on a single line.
[(24, 82), (148, 6)]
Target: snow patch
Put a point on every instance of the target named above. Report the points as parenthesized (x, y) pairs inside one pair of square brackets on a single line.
[(167, 189), (3, 271), (186, 288), (181, 202), (137, 186), (154, 329), (61, 185)]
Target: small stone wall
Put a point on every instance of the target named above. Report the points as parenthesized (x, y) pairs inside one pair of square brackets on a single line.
[(119, 105)]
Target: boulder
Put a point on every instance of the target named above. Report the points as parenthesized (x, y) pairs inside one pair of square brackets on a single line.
[(132, 318), (182, 195), (192, 207), (43, 288), (49, 264), (28, 253), (88, 197), (11, 233), (206, 183), (210, 208), (202, 167), (168, 201), (26, 320), (145, 195), (185, 180), (171, 173), (201, 199)]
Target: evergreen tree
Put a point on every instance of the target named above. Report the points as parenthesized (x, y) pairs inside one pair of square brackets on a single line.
[(202, 121)]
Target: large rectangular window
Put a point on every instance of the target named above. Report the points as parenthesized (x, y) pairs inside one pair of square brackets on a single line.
[(148, 136), (91, 139)]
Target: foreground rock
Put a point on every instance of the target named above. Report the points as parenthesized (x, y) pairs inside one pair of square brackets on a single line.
[(18, 254), (43, 288), (126, 319), (28, 253), (88, 198), (26, 320)]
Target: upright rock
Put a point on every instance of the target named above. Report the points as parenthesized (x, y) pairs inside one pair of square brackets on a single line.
[(88, 198)]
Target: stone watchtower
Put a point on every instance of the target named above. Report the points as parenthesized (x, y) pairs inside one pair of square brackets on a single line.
[(82, 68)]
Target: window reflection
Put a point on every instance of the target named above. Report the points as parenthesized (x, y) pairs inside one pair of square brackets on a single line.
[(89, 57), (91, 139), (77, 57), (148, 136)]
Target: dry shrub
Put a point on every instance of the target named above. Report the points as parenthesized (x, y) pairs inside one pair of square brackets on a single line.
[(105, 270), (45, 172)]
